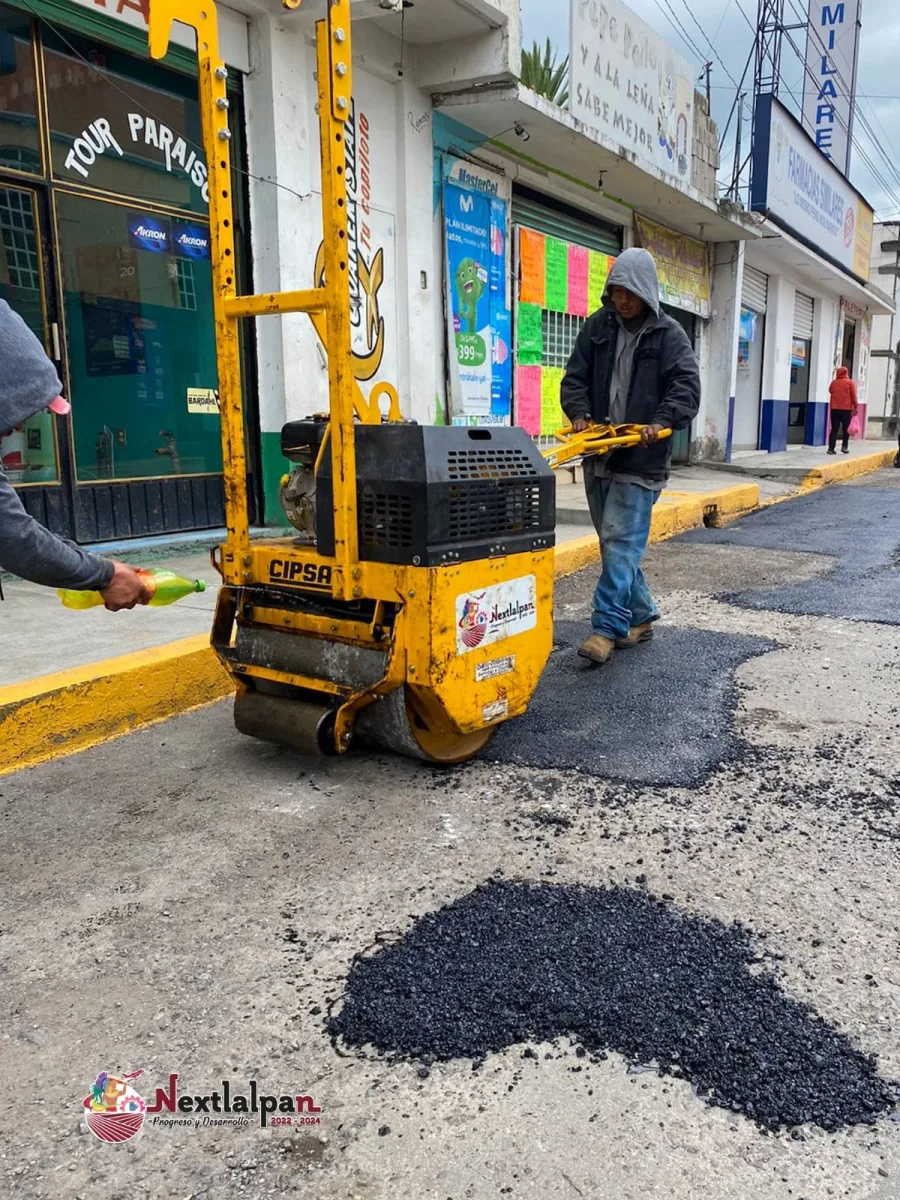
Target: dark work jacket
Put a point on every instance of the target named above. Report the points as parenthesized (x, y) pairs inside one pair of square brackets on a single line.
[(664, 389)]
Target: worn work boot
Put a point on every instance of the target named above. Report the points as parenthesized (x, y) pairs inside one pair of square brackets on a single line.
[(597, 648), (636, 635)]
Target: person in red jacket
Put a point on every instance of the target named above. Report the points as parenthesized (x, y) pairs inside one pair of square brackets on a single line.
[(844, 406)]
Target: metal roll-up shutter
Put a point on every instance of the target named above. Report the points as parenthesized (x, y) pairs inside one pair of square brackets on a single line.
[(754, 289), (803, 317), (564, 223)]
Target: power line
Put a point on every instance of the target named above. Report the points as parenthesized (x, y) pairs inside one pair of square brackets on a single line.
[(724, 87), (672, 18), (721, 20), (709, 43), (736, 95), (751, 26)]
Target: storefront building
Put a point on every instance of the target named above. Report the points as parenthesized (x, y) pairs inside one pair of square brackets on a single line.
[(561, 230), (882, 387), (800, 319), (806, 304), (104, 250)]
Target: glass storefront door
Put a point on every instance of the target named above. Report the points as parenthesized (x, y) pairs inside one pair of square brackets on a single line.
[(137, 302), (29, 452), (801, 354), (105, 252)]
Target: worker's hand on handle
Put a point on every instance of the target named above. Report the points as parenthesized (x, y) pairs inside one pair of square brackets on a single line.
[(581, 425), (651, 433), (126, 589)]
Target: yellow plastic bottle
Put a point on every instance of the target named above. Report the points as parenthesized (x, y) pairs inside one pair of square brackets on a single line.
[(166, 586)]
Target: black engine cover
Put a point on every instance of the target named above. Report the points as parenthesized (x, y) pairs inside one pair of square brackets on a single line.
[(433, 495)]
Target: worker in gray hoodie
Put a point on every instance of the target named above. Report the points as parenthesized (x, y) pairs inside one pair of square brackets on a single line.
[(28, 385), (632, 364)]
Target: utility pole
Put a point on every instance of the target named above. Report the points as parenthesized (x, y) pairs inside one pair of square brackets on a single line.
[(707, 73), (767, 70), (735, 188), (769, 30)]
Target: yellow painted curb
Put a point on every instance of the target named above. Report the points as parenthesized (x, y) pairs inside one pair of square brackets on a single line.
[(676, 512), (60, 714), (71, 710), (574, 556), (848, 468)]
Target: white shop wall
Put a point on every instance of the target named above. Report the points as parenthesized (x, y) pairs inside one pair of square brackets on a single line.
[(371, 144), (780, 318), (390, 228)]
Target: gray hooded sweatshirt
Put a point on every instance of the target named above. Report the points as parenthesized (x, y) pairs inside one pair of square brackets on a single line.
[(654, 371), (28, 382), (635, 270)]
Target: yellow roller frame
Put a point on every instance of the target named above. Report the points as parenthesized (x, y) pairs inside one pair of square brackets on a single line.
[(596, 439), (327, 306), (454, 699)]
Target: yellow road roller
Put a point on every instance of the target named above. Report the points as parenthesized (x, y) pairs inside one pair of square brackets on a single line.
[(414, 606)]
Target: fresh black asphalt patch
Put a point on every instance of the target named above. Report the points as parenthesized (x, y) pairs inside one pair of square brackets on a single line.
[(858, 526), (660, 713), (614, 969)]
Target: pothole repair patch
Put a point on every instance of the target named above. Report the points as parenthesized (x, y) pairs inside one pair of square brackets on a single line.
[(859, 527), (616, 970), (660, 713)]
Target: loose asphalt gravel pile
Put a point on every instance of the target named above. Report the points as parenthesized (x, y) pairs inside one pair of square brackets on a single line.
[(660, 713), (859, 526), (615, 970)]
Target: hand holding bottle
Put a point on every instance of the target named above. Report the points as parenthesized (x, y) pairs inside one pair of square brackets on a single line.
[(130, 586), (126, 588)]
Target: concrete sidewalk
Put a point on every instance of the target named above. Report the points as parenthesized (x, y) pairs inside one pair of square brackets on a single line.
[(41, 637), (801, 464), (685, 482)]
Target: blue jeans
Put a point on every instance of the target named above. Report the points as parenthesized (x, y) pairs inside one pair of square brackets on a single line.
[(621, 514)]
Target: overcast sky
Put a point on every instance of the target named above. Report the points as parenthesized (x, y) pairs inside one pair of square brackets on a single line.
[(878, 89)]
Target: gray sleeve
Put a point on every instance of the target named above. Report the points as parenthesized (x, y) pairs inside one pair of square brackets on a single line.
[(680, 377), (33, 552), (29, 381)]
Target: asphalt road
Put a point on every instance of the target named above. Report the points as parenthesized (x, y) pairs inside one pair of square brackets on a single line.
[(856, 526), (663, 970)]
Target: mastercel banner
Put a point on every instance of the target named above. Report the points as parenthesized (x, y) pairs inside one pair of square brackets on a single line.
[(479, 325)]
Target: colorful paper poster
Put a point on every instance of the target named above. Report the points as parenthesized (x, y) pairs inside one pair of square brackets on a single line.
[(579, 265), (479, 334), (682, 265), (557, 293), (529, 335), (551, 413), (528, 399), (532, 270), (598, 273)]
